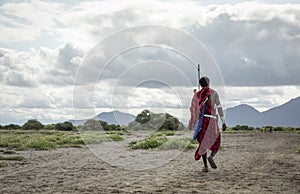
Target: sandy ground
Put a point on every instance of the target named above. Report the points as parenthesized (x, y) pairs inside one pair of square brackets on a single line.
[(249, 163)]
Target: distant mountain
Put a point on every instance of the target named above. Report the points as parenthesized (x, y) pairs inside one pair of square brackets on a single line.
[(242, 115), (285, 115), (115, 117)]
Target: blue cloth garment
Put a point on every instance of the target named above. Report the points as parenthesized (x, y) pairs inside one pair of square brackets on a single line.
[(198, 125)]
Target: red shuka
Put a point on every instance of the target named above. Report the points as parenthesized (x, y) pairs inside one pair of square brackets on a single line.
[(209, 137)]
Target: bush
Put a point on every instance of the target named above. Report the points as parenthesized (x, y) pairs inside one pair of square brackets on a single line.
[(16, 158), (3, 164), (105, 126), (9, 152), (98, 125), (143, 117), (41, 144), (278, 129), (115, 137), (147, 120), (91, 125), (242, 128), (10, 127), (151, 142), (66, 126), (179, 144), (49, 127), (33, 124)]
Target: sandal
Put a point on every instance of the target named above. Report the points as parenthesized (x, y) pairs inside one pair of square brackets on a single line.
[(205, 169), (212, 162)]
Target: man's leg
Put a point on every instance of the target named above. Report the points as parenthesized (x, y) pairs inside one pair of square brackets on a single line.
[(204, 157), (211, 160)]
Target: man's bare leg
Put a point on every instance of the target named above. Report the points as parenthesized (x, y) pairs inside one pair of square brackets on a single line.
[(204, 157), (211, 160)]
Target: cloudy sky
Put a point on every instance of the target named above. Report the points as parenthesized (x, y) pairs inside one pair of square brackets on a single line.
[(67, 59)]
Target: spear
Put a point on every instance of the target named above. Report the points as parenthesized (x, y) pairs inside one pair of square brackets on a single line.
[(198, 76)]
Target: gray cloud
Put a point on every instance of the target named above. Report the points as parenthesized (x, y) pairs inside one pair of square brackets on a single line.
[(254, 53), (63, 68), (16, 70)]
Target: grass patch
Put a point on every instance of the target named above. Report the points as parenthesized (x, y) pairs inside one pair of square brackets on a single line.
[(115, 137), (122, 132), (9, 152), (46, 140), (150, 142), (3, 164), (236, 131), (97, 137), (169, 133), (41, 144), (297, 150), (70, 146), (179, 144), (15, 158), (160, 141)]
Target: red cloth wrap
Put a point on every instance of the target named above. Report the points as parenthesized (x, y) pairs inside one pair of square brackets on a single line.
[(209, 137)]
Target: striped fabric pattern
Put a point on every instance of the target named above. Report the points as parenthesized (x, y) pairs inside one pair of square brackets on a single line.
[(198, 125)]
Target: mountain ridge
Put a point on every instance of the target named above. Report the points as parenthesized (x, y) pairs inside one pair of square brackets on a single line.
[(285, 115), (113, 117)]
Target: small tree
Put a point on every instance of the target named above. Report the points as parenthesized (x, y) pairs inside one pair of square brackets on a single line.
[(171, 123), (104, 125), (91, 124), (49, 127), (65, 126), (143, 117), (11, 127), (33, 124)]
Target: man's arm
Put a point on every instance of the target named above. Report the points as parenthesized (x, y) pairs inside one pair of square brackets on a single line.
[(220, 111)]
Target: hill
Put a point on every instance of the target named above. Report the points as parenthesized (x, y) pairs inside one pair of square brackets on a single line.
[(286, 115), (114, 117)]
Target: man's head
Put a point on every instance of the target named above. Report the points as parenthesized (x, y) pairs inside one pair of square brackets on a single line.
[(204, 82)]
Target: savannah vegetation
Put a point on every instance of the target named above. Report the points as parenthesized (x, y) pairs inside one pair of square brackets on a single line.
[(35, 135), (160, 141)]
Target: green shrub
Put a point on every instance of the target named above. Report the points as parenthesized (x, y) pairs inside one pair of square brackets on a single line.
[(147, 120), (242, 128), (11, 127), (45, 140), (179, 144), (65, 126), (169, 133), (115, 137), (16, 158), (151, 142), (3, 164), (298, 151), (49, 127), (122, 132), (41, 144), (97, 137), (9, 152), (33, 124)]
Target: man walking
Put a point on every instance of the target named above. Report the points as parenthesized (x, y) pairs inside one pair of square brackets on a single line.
[(204, 106)]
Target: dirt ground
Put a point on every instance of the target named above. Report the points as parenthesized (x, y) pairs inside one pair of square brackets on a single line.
[(248, 163)]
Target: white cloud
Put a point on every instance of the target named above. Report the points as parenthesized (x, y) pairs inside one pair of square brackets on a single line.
[(26, 21)]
